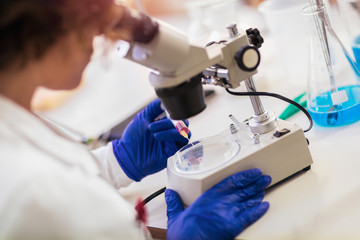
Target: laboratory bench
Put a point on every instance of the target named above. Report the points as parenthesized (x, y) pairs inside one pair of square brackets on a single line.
[(322, 203)]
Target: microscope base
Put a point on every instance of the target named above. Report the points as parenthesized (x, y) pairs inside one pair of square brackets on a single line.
[(279, 156)]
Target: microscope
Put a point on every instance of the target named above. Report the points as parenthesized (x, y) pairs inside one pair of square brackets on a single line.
[(179, 70)]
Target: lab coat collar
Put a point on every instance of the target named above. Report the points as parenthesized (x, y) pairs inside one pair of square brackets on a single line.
[(33, 130)]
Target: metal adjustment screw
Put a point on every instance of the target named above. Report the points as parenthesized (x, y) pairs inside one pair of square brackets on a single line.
[(256, 138), (232, 29), (233, 129)]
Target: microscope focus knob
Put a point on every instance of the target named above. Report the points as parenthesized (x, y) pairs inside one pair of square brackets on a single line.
[(254, 37), (248, 58)]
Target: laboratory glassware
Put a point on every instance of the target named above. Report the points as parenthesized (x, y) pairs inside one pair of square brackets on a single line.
[(287, 40), (350, 12), (333, 77), (208, 18)]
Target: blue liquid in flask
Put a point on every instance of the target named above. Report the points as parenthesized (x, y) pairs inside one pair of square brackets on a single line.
[(342, 114)]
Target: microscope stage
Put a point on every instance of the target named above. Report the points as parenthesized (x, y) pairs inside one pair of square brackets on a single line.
[(279, 153)]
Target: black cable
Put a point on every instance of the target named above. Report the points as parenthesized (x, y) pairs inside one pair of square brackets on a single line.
[(153, 195), (279, 97), (162, 190)]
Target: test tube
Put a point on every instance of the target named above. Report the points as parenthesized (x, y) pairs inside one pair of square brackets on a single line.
[(179, 125)]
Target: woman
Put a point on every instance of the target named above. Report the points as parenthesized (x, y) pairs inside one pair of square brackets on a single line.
[(54, 188)]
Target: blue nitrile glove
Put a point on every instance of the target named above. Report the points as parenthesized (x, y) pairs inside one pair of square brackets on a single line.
[(146, 145), (222, 212)]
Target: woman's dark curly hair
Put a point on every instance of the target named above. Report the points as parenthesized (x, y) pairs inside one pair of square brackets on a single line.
[(28, 28)]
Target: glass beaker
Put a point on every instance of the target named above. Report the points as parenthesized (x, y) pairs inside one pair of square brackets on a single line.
[(289, 41), (208, 19), (333, 77)]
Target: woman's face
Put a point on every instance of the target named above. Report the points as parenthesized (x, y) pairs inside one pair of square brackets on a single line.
[(66, 61)]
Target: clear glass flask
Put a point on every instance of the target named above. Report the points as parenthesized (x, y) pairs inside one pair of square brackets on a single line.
[(350, 12), (333, 77)]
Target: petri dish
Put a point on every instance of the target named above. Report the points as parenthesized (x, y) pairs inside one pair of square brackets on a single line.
[(205, 155)]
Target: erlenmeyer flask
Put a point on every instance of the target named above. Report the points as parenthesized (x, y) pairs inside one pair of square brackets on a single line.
[(350, 11), (333, 77)]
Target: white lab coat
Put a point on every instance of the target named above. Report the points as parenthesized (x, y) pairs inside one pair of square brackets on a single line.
[(54, 188)]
